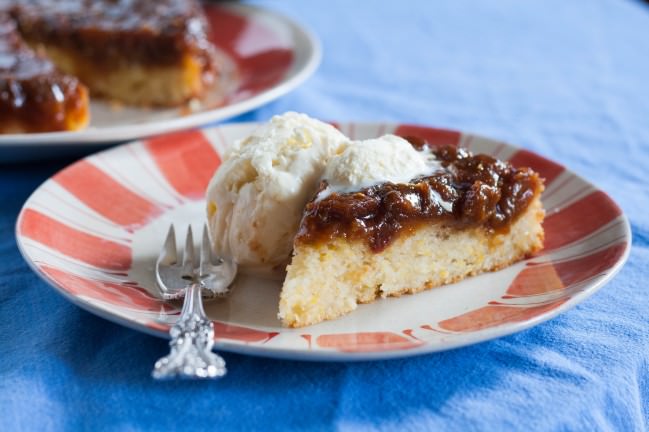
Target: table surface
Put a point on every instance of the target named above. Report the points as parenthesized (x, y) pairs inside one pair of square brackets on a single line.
[(568, 80)]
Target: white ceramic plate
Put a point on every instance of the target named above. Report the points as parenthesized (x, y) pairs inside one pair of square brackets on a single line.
[(94, 230), (265, 56)]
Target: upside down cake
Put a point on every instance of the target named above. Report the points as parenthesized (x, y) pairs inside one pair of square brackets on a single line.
[(368, 219), (139, 52), (473, 214)]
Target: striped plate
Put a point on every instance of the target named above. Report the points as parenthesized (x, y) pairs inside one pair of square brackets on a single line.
[(93, 232)]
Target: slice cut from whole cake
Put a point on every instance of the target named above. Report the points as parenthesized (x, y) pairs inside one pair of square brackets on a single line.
[(139, 52), (470, 214), (34, 95)]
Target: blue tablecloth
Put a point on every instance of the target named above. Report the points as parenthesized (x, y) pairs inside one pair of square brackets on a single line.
[(569, 80)]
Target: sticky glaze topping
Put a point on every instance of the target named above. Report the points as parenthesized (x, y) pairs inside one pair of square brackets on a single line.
[(153, 32), (32, 91), (468, 191), (17, 60)]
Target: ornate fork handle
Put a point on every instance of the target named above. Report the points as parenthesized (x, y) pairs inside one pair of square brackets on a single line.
[(191, 343)]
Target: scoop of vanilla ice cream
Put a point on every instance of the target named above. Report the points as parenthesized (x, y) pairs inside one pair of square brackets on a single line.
[(256, 197), (365, 163)]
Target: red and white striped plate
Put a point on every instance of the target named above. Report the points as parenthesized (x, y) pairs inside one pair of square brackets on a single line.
[(94, 230)]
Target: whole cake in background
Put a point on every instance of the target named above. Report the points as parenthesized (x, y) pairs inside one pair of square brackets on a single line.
[(359, 220), (137, 52)]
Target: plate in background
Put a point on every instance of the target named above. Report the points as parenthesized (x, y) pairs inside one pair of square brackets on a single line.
[(265, 56)]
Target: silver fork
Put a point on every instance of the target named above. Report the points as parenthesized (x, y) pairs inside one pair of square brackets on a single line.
[(192, 337)]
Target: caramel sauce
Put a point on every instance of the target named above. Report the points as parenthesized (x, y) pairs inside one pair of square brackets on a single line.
[(469, 191), (110, 32), (32, 92)]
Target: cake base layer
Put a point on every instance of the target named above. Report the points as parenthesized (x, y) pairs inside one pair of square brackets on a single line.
[(329, 279), (137, 84)]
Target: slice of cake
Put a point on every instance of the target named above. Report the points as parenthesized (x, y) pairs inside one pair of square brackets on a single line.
[(357, 242), (139, 52), (34, 95)]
